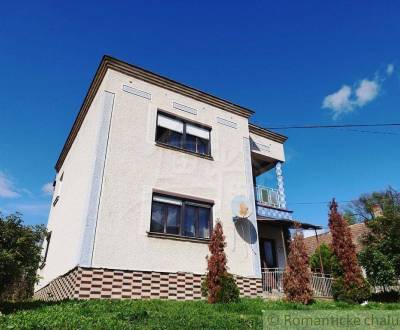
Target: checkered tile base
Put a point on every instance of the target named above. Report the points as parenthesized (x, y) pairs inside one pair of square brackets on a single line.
[(62, 287), (91, 283)]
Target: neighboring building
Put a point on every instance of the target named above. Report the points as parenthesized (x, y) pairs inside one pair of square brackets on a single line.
[(357, 230), (148, 167)]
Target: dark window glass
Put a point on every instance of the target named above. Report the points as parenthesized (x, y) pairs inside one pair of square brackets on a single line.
[(162, 134), (189, 221), (167, 218), (157, 215), (184, 141), (190, 143), (204, 222), (175, 139), (202, 146), (173, 219)]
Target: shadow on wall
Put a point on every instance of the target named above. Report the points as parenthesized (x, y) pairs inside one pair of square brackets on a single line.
[(246, 230)]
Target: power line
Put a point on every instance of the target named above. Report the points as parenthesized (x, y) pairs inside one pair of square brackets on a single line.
[(335, 126), (313, 203)]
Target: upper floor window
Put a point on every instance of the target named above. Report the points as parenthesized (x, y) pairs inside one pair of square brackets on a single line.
[(170, 215), (183, 135)]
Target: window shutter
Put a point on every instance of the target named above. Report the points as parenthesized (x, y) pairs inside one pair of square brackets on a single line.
[(198, 131), (172, 124)]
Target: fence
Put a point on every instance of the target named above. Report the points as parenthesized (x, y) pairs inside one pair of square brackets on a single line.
[(272, 281)]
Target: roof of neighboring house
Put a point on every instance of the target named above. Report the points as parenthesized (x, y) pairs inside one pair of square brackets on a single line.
[(357, 230)]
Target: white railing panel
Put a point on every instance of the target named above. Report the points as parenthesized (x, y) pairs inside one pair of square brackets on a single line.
[(272, 282), (268, 196)]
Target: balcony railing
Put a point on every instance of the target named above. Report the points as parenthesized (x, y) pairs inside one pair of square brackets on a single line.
[(268, 196), (272, 282)]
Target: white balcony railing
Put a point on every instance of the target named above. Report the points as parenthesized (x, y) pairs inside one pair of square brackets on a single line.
[(272, 282), (268, 196)]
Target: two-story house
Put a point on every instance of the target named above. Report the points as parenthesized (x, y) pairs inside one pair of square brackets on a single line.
[(148, 167)]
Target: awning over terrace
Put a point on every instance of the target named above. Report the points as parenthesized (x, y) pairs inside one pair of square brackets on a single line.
[(287, 222)]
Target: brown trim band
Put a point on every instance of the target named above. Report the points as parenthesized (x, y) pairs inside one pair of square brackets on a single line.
[(109, 62), (267, 133)]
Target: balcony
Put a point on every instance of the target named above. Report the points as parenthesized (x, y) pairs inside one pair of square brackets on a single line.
[(270, 203), (266, 196)]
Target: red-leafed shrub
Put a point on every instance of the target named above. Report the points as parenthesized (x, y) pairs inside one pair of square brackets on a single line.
[(349, 284), (218, 285), (297, 275)]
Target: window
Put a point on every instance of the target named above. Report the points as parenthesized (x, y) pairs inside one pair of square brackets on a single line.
[(181, 217), (183, 135), (58, 189), (48, 237)]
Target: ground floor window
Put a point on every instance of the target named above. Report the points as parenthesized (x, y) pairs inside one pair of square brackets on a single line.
[(183, 217)]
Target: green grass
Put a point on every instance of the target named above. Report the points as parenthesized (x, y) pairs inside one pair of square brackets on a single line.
[(152, 314)]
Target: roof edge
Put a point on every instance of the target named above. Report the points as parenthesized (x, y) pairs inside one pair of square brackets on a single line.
[(258, 130), (108, 62)]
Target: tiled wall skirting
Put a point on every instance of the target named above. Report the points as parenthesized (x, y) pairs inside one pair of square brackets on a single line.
[(92, 283)]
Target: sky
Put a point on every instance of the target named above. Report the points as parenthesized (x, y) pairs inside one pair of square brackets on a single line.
[(293, 62)]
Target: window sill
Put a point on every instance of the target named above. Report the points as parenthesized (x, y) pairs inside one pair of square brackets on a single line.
[(178, 238), (167, 146)]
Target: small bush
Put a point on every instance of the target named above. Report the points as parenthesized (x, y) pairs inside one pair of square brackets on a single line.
[(386, 296), (228, 290), (356, 293)]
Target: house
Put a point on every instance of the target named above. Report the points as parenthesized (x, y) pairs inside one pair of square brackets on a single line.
[(148, 167), (358, 230)]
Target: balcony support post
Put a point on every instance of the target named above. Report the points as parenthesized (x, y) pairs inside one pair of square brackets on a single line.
[(281, 188)]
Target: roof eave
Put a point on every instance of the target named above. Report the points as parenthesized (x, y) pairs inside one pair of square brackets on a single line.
[(266, 133)]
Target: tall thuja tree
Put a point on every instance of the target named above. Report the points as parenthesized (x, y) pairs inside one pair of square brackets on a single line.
[(216, 263), (349, 283), (219, 285), (297, 275)]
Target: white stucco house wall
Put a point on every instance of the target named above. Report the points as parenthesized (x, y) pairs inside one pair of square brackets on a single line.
[(149, 165)]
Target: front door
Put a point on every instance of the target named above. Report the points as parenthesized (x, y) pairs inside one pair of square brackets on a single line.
[(268, 253)]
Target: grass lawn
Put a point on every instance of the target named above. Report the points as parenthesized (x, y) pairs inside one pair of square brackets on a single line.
[(152, 314)]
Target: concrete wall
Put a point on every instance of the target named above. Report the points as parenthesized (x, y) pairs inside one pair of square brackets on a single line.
[(135, 166), (266, 147), (103, 214), (68, 217)]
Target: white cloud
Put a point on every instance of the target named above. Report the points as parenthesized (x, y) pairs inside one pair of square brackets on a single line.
[(389, 69), (47, 188), (27, 208), (347, 99), (366, 92), (339, 102), (7, 188)]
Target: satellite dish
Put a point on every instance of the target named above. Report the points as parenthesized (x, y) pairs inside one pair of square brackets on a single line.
[(240, 208)]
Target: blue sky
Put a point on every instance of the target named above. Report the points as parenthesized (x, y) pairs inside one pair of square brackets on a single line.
[(292, 62)]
